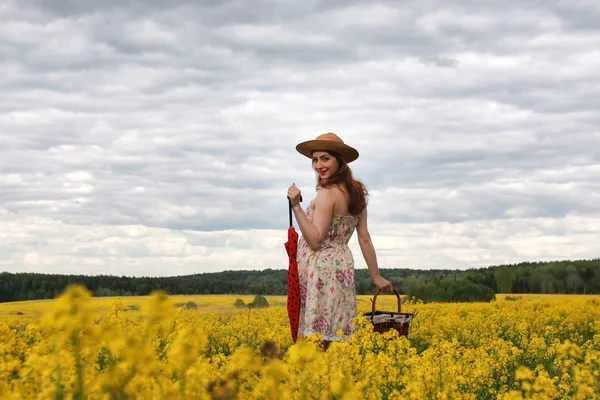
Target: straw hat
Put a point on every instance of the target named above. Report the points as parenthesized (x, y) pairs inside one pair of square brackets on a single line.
[(328, 141)]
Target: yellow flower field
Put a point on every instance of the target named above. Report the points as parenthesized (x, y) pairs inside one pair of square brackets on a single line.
[(78, 347)]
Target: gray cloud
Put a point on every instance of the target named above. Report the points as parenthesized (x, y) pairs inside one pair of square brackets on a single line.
[(184, 116)]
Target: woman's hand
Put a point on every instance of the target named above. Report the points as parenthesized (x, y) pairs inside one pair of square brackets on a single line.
[(294, 195), (382, 284)]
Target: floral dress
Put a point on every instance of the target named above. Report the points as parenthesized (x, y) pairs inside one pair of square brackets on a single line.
[(327, 291)]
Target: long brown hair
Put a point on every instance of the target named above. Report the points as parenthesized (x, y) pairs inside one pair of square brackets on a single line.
[(356, 190)]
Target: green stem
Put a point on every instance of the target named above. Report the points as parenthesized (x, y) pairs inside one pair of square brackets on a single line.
[(129, 377), (78, 368), (182, 385), (60, 395)]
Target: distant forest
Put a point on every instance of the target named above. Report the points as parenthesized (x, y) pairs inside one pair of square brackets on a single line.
[(481, 284)]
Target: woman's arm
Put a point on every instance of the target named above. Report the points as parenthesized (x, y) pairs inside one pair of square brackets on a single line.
[(368, 252), (314, 233)]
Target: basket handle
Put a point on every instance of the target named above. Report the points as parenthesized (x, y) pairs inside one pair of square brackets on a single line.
[(375, 300)]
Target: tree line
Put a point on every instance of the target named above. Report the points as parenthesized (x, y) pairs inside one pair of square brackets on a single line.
[(478, 284)]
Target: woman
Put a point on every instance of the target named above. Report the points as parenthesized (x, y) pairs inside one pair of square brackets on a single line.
[(325, 262)]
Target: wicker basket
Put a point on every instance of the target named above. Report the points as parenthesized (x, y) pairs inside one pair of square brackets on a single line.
[(383, 321)]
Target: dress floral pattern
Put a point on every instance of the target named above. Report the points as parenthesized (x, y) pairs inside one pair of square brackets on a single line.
[(327, 291)]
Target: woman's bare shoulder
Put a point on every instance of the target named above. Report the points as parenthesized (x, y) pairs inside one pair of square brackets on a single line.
[(326, 194), (339, 198), (333, 189), (333, 193)]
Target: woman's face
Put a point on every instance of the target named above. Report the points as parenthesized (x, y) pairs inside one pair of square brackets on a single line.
[(324, 163)]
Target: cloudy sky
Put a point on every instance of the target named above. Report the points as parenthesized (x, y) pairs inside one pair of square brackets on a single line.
[(155, 138)]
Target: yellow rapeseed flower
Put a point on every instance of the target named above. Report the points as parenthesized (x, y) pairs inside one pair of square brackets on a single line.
[(153, 348)]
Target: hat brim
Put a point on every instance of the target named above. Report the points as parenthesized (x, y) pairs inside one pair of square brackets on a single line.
[(348, 153)]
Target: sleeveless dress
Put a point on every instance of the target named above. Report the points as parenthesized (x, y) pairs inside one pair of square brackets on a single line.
[(327, 291)]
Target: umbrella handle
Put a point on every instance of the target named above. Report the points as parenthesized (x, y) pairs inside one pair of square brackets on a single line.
[(290, 209)]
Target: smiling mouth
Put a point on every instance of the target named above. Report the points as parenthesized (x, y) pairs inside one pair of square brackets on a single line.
[(322, 172)]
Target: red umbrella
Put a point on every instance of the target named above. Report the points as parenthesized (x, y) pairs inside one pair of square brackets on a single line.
[(293, 300)]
